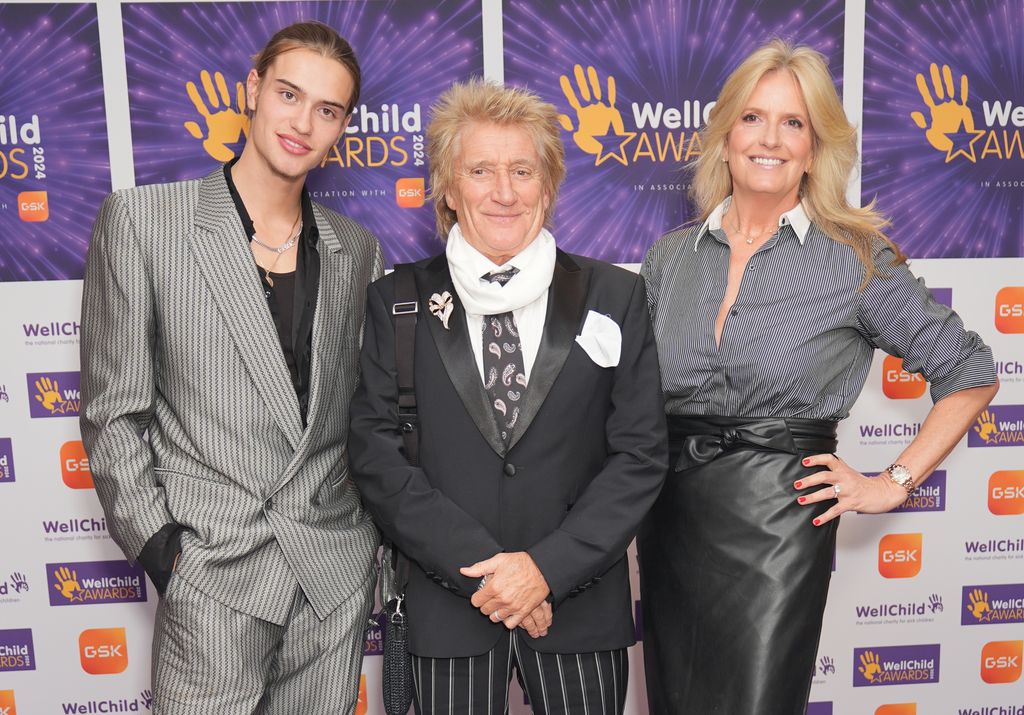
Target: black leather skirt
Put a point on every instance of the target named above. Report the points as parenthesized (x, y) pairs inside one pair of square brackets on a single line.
[(733, 575)]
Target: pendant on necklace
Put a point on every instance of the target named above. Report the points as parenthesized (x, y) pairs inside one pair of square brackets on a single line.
[(750, 242)]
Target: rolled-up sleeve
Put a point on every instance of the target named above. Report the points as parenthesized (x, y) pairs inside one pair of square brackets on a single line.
[(898, 314)]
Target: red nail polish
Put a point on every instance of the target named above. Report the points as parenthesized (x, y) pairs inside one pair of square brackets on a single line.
[(802, 500), (806, 462), (799, 485), (817, 521)]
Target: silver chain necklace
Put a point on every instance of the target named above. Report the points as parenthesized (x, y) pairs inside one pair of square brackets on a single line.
[(283, 247)]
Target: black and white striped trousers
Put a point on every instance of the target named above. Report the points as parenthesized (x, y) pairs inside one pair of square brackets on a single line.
[(555, 683)]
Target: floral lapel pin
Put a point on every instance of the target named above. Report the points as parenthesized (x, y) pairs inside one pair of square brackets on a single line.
[(441, 306)]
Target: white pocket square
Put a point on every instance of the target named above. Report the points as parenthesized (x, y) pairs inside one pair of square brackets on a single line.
[(601, 338)]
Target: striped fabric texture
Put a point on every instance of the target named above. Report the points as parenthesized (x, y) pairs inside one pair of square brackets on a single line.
[(798, 342), (208, 658), (177, 340), (555, 683)]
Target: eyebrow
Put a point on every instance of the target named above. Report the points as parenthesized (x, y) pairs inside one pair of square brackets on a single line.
[(299, 90), (758, 110)]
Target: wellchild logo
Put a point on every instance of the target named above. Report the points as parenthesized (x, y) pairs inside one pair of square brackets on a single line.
[(1006, 493), (897, 709), (375, 635), (998, 426), (990, 549), (819, 708), (1001, 603), (79, 528), (74, 466), (896, 665), (16, 650), (1001, 661), (599, 128), (54, 394), (900, 555), (888, 613), (122, 705), (87, 582), (930, 496), (13, 587), (103, 651), (6, 460)]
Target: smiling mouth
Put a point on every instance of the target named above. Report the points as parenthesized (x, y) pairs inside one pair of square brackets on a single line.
[(293, 145), (767, 161)]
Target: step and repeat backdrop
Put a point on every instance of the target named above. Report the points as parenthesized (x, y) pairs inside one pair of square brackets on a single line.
[(926, 609)]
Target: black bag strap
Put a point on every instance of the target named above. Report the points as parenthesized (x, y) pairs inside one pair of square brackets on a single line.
[(405, 311)]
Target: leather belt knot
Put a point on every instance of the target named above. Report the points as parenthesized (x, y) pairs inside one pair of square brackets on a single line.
[(772, 435)]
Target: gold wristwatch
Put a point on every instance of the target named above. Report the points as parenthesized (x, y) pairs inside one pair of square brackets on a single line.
[(901, 475)]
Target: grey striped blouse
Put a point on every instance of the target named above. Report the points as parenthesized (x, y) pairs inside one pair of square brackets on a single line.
[(799, 339)]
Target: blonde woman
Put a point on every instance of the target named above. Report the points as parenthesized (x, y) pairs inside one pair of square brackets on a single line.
[(767, 312)]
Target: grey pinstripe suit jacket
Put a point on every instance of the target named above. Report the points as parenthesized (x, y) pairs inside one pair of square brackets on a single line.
[(177, 340)]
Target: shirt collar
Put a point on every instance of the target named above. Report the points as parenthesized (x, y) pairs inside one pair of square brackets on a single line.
[(310, 232), (795, 217)]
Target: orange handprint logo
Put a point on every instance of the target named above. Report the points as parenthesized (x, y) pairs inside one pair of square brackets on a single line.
[(67, 584), (48, 395), (224, 123), (599, 127), (950, 125), (986, 425), (978, 605), (869, 666)]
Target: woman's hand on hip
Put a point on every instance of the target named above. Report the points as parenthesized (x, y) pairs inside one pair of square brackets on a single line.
[(850, 489)]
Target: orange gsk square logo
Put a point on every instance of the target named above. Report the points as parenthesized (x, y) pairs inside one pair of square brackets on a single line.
[(1006, 493), (1001, 661), (103, 651), (897, 709), (33, 206), (362, 703), (899, 555), (74, 465), (7, 703), (897, 383), (1010, 309), (410, 192)]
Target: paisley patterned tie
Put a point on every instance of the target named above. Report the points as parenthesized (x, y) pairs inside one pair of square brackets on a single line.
[(505, 376)]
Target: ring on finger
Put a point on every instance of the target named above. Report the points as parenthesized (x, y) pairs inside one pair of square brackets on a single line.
[(836, 489)]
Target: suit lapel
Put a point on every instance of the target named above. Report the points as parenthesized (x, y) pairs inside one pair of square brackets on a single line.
[(566, 300), (456, 351), (333, 310), (226, 262)]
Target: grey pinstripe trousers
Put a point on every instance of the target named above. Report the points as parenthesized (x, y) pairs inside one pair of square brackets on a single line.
[(555, 683), (208, 658)]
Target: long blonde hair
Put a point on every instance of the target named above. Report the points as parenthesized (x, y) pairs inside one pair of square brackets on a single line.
[(822, 189)]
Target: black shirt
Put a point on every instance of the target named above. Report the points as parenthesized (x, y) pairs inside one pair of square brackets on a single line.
[(291, 297)]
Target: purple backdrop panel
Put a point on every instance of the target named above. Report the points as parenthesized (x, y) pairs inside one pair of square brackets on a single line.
[(409, 52), (626, 180), (54, 159), (944, 148)]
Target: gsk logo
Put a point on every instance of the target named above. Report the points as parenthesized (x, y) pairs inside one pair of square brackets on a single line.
[(74, 465), (1001, 661), (899, 555), (410, 192), (1010, 309), (103, 651), (897, 383), (362, 703), (1006, 493), (7, 703), (33, 206), (897, 709)]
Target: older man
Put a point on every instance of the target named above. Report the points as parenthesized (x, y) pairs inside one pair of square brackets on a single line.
[(541, 439)]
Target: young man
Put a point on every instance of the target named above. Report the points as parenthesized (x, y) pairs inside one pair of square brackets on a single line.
[(221, 325)]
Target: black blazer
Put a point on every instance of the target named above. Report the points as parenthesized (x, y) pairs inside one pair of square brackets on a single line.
[(586, 461)]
